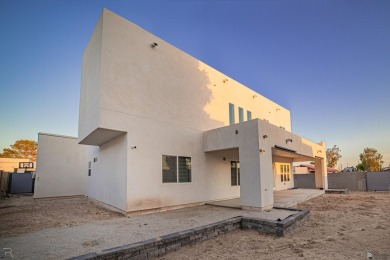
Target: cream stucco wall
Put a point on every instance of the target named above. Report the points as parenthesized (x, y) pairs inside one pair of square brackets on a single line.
[(90, 82), (162, 83), (210, 173), (164, 100), (61, 168), (108, 179), (139, 103)]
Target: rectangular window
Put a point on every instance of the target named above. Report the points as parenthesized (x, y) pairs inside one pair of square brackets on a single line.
[(184, 169), (169, 168), (231, 114), (176, 169), (235, 173), (248, 115), (240, 114)]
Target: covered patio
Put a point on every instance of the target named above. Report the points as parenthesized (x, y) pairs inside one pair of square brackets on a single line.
[(266, 154), (282, 199)]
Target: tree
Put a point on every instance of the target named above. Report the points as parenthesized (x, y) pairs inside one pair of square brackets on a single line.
[(359, 167), (24, 149), (333, 155), (371, 160)]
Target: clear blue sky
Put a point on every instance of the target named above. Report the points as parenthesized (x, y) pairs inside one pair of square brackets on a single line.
[(328, 62)]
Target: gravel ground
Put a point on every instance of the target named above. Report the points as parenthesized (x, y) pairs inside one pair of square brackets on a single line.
[(62, 228), (340, 227)]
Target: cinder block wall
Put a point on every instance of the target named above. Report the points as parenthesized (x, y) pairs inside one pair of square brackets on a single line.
[(354, 181), (305, 181)]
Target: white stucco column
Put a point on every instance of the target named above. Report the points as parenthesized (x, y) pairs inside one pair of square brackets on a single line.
[(321, 177), (256, 191)]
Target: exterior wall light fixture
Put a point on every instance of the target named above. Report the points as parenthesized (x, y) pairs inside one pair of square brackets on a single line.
[(265, 136), (154, 45), (288, 140), (262, 151), (133, 147)]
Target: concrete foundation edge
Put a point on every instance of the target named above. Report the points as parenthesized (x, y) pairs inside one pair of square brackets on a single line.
[(159, 246)]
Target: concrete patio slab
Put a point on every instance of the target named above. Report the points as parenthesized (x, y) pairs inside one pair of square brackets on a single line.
[(290, 198), (65, 242), (282, 199)]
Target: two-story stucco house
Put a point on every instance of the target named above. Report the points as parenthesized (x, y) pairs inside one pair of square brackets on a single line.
[(160, 129)]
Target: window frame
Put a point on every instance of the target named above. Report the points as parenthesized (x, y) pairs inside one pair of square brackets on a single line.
[(240, 115), (170, 168), (285, 172), (188, 168), (177, 169), (248, 115), (237, 174), (232, 119), (89, 168)]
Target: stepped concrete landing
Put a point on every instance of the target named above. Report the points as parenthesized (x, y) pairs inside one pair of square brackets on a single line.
[(282, 199)]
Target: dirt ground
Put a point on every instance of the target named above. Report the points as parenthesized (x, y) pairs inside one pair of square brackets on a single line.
[(21, 214), (340, 227)]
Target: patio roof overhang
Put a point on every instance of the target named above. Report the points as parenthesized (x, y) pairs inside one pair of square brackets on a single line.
[(279, 151), (266, 136)]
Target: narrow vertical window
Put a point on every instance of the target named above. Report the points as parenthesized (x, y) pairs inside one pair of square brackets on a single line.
[(231, 114), (240, 114), (235, 173), (184, 169), (238, 173), (282, 173), (248, 115), (89, 169), (169, 168)]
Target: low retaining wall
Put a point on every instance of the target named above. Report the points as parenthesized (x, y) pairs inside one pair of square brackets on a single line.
[(159, 246), (278, 228)]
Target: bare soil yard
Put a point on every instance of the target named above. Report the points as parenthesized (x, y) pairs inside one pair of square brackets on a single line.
[(340, 227), (22, 214)]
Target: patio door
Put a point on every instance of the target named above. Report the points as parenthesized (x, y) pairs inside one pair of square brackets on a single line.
[(282, 176)]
